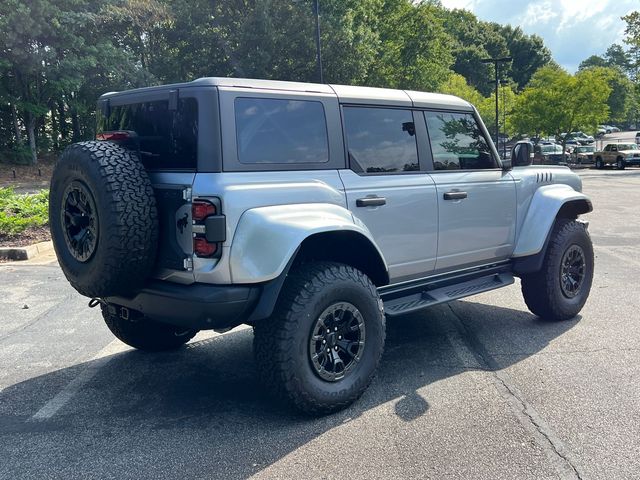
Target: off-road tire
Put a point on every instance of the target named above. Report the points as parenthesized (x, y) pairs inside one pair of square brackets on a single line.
[(144, 334), (542, 290), (281, 343), (126, 218)]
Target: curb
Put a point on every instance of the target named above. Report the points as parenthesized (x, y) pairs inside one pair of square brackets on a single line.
[(25, 253)]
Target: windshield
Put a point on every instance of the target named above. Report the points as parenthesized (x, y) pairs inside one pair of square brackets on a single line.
[(585, 149)]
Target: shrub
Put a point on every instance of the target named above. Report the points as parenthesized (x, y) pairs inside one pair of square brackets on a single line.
[(18, 212)]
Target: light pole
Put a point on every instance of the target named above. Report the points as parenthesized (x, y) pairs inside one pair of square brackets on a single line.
[(504, 83), (316, 14), (496, 62), (316, 11)]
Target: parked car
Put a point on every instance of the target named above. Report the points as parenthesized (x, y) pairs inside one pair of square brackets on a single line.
[(310, 212), (549, 154), (581, 137), (582, 155), (638, 138), (618, 154)]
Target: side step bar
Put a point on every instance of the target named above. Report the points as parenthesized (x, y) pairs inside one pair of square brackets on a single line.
[(429, 298)]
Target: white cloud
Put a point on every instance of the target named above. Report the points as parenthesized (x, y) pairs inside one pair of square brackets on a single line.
[(572, 29)]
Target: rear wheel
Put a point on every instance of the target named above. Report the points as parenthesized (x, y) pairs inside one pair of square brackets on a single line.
[(321, 348), (561, 288), (142, 333)]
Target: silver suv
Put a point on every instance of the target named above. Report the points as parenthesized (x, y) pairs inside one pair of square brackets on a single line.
[(310, 212)]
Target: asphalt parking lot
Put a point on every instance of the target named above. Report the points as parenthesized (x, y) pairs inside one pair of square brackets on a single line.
[(476, 389)]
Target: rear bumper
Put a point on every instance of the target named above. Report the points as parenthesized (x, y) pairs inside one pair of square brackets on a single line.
[(199, 306)]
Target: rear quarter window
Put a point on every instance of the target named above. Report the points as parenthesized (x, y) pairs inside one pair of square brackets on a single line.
[(163, 138), (280, 131)]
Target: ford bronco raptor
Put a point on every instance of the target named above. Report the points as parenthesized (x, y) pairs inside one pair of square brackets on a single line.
[(310, 212)]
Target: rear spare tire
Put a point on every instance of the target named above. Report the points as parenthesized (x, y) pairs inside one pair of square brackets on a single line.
[(103, 218)]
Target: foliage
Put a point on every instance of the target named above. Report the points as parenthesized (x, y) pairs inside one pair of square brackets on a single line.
[(20, 212), (58, 56), (556, 102)]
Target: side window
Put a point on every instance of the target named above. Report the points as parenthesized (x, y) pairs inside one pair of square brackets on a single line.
[(607, 148), (280, 131), (164, 139), (380, 140), (457, 143), (614, 148)]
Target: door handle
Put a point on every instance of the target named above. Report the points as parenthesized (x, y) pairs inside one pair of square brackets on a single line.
[(455, 195), (371, 202)]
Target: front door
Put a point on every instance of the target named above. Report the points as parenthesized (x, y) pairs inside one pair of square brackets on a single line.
[(388, 190), (476, 198)]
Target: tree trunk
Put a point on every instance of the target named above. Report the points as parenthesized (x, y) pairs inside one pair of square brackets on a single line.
[(16, 125), (62, 121), (75, 126), (31, 133), (54, 127)]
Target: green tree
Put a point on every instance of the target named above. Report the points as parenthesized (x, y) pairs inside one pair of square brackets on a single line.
[(556, 102)]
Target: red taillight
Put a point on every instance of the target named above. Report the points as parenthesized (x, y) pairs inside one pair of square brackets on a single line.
[(201, 210), (202, 248), (113, 136)]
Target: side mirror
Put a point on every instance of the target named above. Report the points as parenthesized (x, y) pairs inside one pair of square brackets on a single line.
[(522, 154)]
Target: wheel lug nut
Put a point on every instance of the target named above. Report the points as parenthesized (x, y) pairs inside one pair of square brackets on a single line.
[(328, 330), (324, 341), (328, 350), (335, 348), (339, 337), (335, 329)]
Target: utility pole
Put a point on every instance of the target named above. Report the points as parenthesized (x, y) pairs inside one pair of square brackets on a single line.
[(496, 62)]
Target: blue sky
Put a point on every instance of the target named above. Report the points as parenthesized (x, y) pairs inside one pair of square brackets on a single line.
[(572, 29)]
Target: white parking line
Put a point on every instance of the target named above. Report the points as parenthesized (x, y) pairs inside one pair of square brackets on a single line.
[(103, 357)]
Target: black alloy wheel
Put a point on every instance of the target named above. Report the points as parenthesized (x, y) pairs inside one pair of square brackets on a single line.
[(572, 271), (79, 221), (337, 341)]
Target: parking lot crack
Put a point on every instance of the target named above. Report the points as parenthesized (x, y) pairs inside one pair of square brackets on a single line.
[(529, 418)]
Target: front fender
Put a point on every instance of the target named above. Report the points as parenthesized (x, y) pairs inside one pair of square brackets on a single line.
[(543, 209), (267, 237)]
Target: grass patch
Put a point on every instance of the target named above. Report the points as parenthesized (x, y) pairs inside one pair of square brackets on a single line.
[(22, 212)]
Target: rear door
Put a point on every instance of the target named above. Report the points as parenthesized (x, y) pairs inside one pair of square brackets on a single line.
[(388, 189), (476, 198)]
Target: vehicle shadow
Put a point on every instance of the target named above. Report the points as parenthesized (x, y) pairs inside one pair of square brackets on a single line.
[(204, 401)]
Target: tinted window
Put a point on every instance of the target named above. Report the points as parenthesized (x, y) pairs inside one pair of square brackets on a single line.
[(165, 139), (380, 140), (280, 131), (457, 142)]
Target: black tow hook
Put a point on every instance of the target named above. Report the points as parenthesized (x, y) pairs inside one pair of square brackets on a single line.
[(94, 302)]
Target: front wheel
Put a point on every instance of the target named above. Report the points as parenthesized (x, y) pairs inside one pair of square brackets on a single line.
[(599, 163), (321, 348), (620, 163), (560, 289)]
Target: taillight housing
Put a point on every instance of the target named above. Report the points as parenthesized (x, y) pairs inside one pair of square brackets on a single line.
[(201, 209), (205, 213), (202, 248)]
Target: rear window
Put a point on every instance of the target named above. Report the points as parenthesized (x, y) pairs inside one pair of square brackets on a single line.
[(165, 139), (279, 131)]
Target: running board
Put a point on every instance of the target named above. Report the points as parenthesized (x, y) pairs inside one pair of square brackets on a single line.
[(429, 298)]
